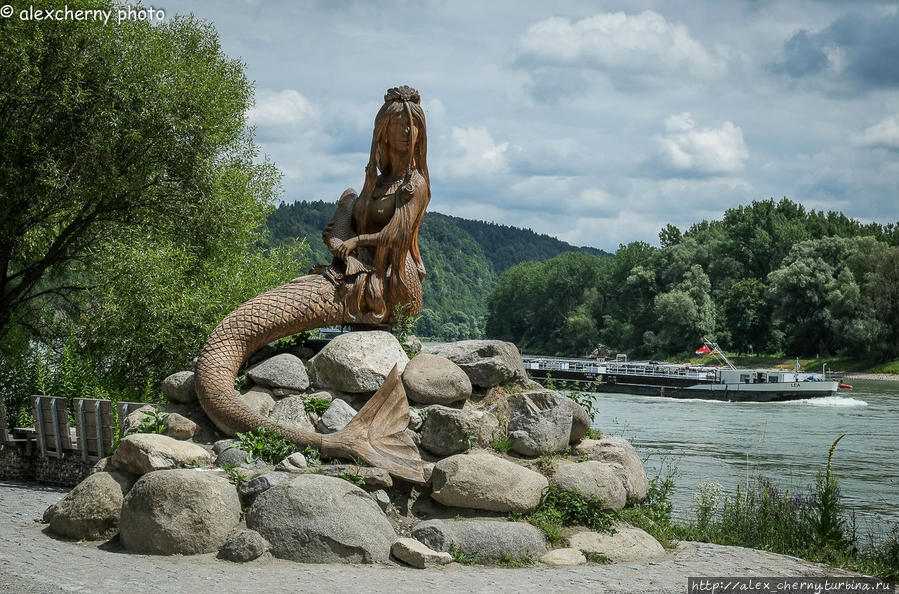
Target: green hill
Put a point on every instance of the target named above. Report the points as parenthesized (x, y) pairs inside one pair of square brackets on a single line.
[(463, 258)]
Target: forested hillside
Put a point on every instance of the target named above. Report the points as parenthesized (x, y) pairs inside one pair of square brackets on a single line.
[(463, 259), (768, 277)]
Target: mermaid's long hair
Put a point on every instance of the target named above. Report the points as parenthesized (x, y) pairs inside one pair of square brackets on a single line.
[(399, 238)]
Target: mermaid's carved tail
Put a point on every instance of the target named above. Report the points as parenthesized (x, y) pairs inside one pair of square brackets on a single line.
[(376, 434)]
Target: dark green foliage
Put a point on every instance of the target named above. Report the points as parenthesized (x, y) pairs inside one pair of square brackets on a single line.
[(768, 277), (265, 444), (506, 246), (131, 209)]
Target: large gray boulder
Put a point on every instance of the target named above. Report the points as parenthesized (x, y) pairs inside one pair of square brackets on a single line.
[(320, 519), (483, 481), (179, 387), (291, 412), (283, 371), (338, 415), (447, 431), (624, 460), (487, 363), (259, 400), (141, 453), (357, 362), (486, 540), (432, 379), (539, 422), (628, 544), (179, 512), (593, 479), (92, 509)]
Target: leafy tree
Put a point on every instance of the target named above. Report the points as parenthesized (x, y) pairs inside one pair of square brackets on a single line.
[(685, 313), (106, 129), (747, 315)]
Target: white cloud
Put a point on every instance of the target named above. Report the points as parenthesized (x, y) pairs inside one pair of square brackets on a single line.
[(622, 45), (686, 149), (475, 153), (282, 108), (884, 134)]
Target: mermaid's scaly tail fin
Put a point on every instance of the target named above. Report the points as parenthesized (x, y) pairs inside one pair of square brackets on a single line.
[(377, 433)]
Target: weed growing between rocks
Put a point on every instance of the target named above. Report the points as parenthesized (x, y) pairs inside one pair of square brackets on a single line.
[(506, 561), (234, 477), (152, 422), (265, 444), (653, 514), (312, 455), (568, 508), (593, 434), (502, 444), (316, 405), (587, 402), (356, 479), (403, 327), (460, 557), (594, 557)]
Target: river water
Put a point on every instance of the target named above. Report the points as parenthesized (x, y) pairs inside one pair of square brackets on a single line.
[(732, 443)]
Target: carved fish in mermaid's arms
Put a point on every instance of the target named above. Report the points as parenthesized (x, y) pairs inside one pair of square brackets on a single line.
[(377, 432)]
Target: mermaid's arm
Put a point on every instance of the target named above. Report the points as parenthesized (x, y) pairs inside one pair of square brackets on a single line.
[(341, 226)]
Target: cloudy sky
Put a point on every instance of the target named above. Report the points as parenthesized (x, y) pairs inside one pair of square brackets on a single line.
[(594, 121)]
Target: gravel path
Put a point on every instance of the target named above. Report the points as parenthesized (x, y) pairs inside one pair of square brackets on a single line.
[(33, 562)]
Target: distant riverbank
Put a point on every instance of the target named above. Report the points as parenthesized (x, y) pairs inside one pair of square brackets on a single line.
[(877, 377)]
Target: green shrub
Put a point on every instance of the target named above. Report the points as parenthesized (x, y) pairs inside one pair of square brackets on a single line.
[(152, 422), (316, 405), (265, 444), (356, 479), (565, 508)]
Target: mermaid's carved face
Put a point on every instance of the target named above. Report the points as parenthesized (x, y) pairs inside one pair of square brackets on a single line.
[(400, 135)]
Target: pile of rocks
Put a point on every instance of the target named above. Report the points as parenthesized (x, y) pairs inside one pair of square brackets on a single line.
[(493, 441)]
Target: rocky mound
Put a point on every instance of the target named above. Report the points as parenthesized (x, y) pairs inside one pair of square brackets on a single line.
[(494, 444)]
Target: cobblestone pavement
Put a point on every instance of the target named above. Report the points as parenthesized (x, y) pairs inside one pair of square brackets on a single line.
[(33, 562)]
